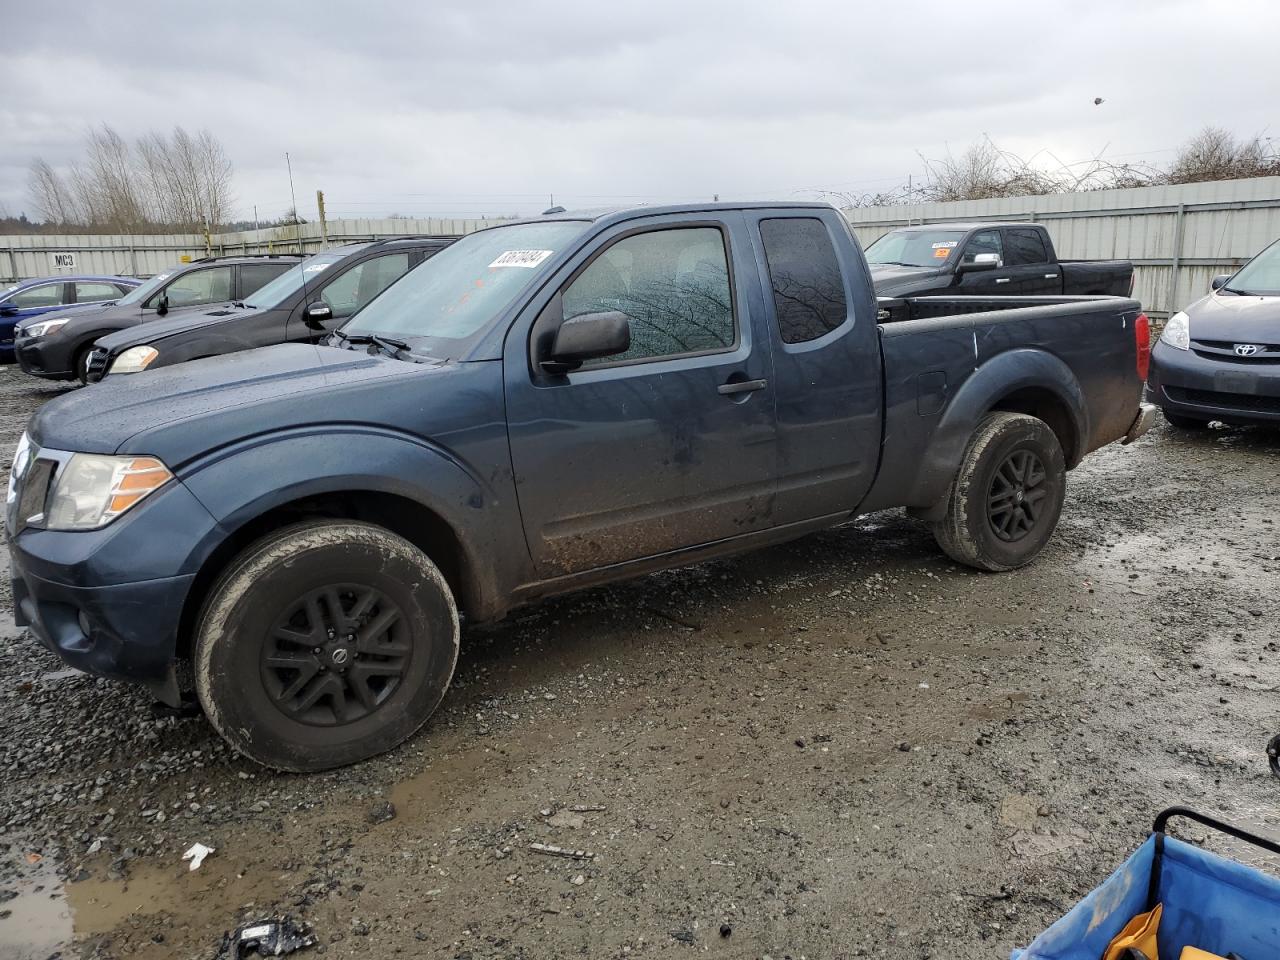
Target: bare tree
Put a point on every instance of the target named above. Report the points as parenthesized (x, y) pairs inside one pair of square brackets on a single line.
[(181, 182), (1216, 154), (107, 184), (53, 199)]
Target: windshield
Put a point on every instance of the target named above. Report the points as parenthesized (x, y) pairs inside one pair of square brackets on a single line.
[(140, 293), (915, 248), (464, 286), (1260, 277), (274, 293)]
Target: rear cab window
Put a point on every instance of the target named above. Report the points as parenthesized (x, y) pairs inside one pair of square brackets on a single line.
[(808, 288)]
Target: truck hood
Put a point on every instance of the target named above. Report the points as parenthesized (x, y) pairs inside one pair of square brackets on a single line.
[(185, 410), (891, 280), (179, 320), (1235, 318)]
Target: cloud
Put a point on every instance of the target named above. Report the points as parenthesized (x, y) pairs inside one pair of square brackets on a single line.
[(466, 107)]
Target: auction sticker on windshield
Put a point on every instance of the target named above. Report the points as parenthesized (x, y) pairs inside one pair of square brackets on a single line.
[(520, 258)]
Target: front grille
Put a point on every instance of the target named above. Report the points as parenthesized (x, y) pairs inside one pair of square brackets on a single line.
[(96, 367), (1226, 350), (1225, 401)]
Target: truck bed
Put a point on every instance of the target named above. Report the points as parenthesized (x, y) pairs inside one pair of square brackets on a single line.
[(947, 359)]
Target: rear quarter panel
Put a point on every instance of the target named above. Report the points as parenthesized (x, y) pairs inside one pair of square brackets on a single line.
[(943, 375)]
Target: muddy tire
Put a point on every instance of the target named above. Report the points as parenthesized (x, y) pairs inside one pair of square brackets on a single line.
[(1005, 501), (324, 644), (1179, 422)]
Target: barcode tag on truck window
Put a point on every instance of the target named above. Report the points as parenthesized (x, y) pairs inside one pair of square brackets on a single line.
[(521, 258), (944, 244)]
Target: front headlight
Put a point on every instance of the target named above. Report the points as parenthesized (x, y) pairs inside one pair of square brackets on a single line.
[(42, 328), (1177, 332), (92, 490), (134, 360)]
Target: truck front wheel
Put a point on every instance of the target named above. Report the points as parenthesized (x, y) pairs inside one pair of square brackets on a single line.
[(323, 644), (1007, 495)]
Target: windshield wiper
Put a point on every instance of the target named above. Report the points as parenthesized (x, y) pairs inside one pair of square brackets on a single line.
[(388, 345), (1239, 293)]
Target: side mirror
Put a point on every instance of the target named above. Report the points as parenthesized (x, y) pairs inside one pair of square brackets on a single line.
[(162, 305), (8, 308), (317, 314), (588, 337), (983, 261), (1218, 283)]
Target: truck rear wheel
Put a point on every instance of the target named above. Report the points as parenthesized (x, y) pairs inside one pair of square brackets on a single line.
[(1007, 495), (324, 644)]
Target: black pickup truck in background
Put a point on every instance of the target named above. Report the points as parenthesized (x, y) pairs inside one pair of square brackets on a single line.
[(987, 259)]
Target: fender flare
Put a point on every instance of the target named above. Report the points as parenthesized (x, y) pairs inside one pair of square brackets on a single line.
[(993, 381), (303, 463)]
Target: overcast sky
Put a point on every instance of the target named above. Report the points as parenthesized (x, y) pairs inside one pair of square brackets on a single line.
[(458, 108)]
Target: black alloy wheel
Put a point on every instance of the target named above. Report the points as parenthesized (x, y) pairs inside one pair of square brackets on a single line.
[(336, 654), (1016, 496)]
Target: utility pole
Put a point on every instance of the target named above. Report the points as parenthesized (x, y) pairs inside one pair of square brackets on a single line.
[(208, 240), (324, 224), (297, 220), (255, 217)]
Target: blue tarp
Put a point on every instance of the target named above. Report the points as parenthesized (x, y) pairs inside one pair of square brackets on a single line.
[(1209, 902)]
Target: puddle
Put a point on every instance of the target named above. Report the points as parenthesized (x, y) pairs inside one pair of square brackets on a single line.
[(48, 914), (37, 922)]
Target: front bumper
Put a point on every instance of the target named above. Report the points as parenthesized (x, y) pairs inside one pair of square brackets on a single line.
[(44, 357), (110, 601), (1185, 383), (125, 631)]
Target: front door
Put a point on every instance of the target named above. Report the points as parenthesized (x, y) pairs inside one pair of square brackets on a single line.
[(984, 283), (668, 445)]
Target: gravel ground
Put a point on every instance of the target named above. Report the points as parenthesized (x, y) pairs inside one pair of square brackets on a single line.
[(846, 746)]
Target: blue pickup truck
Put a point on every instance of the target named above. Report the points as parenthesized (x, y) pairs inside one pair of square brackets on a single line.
[(542, 406)]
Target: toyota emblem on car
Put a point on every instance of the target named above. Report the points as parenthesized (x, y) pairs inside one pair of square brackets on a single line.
[(1246, 349)]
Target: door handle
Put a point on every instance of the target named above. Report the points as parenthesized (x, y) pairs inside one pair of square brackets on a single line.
[(740, 386), (1003, 279), (1051, 276)]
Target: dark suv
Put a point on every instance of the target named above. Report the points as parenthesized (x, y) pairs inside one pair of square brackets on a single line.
[(303, 305), (55, 346)]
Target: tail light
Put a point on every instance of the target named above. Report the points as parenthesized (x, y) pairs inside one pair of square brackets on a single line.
[(1142, 336)]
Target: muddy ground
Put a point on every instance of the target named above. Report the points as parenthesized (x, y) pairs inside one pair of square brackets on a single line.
[(846, 746)]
